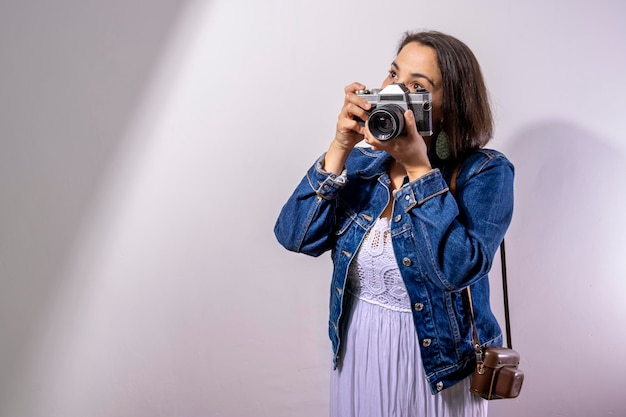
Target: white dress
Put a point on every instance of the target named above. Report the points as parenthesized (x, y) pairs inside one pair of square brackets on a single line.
[(381, 372)]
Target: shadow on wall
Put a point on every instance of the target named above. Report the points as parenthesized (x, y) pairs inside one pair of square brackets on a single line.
[(73, 73), (566, 267), (568, 193)]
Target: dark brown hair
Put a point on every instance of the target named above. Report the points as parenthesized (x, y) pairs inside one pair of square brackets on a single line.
[(467, 117)]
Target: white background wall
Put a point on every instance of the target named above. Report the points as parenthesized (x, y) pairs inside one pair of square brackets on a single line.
[(146, 147)]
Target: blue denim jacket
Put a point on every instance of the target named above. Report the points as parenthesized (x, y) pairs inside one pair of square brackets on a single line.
[(442, 244)]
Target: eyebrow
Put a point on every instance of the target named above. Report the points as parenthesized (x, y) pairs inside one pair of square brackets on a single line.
[(415, 74)]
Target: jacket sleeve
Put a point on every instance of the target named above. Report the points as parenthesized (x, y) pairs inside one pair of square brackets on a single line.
[(456, 237), (306, 221)]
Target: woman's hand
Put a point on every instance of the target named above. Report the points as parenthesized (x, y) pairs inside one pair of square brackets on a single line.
[(409, 150), (349, 132)]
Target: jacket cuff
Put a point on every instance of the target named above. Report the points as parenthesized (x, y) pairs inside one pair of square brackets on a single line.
[(326, 184), (420, 190)]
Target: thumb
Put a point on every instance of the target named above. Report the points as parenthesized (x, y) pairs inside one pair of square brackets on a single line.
[(409, 120)]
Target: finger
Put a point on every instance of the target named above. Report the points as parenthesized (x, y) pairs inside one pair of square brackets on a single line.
[(367, 136), (357, 112), (358, 100), (351, 111), (350, 125), (409, 122), (353, 98), (354, 87), (370, 138)]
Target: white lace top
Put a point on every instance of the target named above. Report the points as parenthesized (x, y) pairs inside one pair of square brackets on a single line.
[(374, 275)]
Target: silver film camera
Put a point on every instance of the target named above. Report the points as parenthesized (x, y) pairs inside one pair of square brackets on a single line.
[(386, 118)]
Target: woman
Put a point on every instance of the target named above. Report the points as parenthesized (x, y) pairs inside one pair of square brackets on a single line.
[(404, 246)]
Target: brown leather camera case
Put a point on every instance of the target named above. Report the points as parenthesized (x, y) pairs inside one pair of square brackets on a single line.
[(498, 376)]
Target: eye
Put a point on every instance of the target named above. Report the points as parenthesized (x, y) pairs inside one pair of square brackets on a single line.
[(393, 75), (415, 86)]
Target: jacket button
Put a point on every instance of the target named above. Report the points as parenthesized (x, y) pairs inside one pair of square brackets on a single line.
[(398, 218), (418, 306), (407, 262), (426, 342), (439, 386)]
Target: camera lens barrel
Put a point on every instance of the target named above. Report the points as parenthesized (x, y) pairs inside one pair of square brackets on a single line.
[(386, 122)]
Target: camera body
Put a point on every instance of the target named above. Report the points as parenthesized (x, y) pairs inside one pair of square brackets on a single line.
[(386, 118)]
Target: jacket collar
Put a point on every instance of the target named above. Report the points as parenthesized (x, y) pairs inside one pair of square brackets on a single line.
[(376, 163)]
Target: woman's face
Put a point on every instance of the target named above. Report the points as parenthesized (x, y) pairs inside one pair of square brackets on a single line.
[(416, 66)]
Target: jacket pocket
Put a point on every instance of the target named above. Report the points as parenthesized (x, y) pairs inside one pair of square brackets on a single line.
[(344, 221)]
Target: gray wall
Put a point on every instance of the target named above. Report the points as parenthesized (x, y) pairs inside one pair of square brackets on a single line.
[(146, 148)]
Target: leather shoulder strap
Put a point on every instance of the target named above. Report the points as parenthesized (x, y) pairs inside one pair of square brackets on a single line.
[(453, 179)]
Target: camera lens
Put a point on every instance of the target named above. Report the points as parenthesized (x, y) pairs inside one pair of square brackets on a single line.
[(386, 122)]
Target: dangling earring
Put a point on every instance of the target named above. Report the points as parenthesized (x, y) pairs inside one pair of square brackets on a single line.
[(442, 145)]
